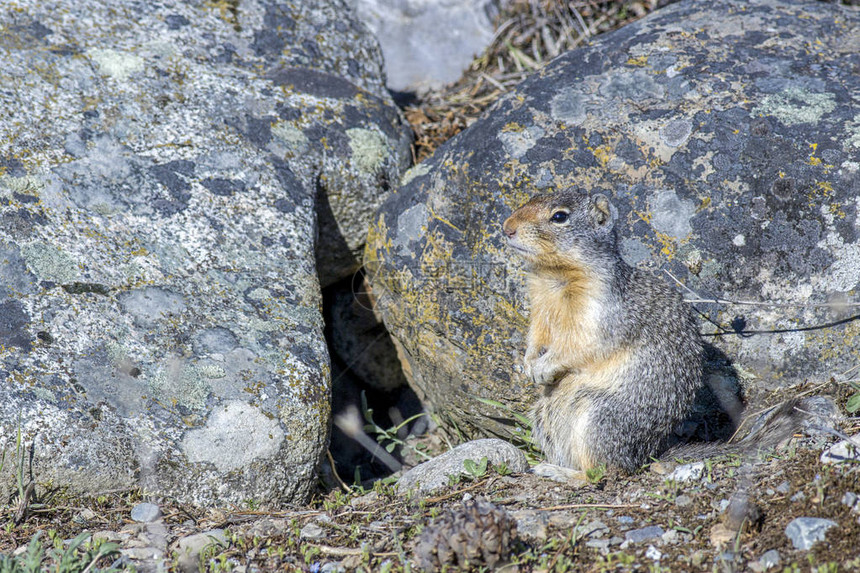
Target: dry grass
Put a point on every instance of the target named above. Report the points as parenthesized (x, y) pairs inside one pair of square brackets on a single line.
[(529, 34)]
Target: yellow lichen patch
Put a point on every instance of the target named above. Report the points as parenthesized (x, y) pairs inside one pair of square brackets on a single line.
[(668, 244), (602, 153), (638, 61), (512, 127), (706, 202), (836, 210)]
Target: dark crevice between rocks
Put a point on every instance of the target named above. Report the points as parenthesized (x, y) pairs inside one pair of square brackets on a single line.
[(332, 250), (364, 363)]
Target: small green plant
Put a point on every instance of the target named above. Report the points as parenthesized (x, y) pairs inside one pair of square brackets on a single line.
[(853, 403), (390, 436), (78, 557), (522, 436), (596, 473), (476, 470), (502, 469)]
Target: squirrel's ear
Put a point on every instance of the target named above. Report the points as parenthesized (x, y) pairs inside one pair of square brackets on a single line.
[(603, 212)]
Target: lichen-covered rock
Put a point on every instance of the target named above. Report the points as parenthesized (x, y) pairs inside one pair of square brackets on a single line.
[(165, 168), (726, 134)]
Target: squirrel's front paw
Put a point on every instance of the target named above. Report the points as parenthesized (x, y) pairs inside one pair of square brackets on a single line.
[(544, 370)]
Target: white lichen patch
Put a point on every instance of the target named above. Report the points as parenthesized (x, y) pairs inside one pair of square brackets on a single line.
[(739, 240), (569, 106), (27, 185), (517, 143), (796, 105), (211, 371), (49, 262), (852, 142), (259, 294), (844, 274), (369, 149), (291, 135), (671, 214), (181, 383), (116, 64), (235, 435), (413, 172)]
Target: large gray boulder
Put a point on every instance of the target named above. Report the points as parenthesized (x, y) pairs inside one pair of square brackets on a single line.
[(727, 135), (427, 44), (165, 169)]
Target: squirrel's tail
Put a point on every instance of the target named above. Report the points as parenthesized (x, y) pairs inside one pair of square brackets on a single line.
[(769, 430)]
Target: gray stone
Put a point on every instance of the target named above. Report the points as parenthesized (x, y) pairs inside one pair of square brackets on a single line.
[(434, 474), (532, 525), (804, 532), (312, 531), (687, 472), (162, 188), (849, 498), (644, 534), (769, 559), (427, 44), (599, 544), (653, 553), (713, 173), (145, 512), (844, 451), (594, 528), (683, 500), (188, 549)]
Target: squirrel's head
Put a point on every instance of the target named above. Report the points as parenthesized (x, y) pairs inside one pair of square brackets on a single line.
[(563, 230)]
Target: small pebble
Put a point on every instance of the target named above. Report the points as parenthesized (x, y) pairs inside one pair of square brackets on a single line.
[(804, 532), (688, 472), (769, 559), (850, 499), (784, 487), (625, 519), (653, 553), (312, 532), (799, 496), (601, 544), (145, 512), (683, 500), (844, 451), (644, 534)]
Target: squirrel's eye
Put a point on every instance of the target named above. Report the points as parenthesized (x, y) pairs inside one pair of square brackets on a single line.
[(559, 217)]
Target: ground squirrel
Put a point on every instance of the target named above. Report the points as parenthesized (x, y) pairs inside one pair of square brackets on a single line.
[(616, 352)]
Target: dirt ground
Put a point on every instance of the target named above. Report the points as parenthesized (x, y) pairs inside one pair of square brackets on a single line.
[(558, 527)]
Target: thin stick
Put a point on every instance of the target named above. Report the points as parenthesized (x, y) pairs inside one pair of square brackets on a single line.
[(334, 471), (455, 493), (588, 506), (702, 300)]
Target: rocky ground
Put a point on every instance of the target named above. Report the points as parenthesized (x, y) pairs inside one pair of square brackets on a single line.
[(789, 512)]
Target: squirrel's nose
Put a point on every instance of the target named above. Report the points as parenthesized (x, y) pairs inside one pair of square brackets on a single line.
[(509, 228)]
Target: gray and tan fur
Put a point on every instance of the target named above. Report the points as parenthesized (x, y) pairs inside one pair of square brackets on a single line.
[(615, 351)]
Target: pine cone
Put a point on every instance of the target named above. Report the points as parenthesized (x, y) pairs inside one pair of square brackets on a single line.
[(479, 534)]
